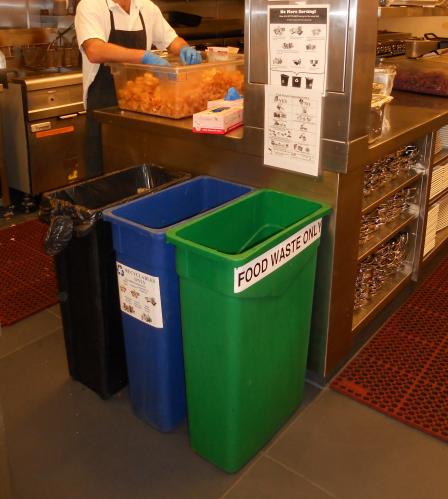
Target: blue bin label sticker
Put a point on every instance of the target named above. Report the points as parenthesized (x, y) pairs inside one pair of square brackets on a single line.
[(140, 295), (260, 267)]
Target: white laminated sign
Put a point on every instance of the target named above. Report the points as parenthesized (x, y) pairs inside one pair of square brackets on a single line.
[(292, 130), (140, 295), (297, 55), (297, 47), (257, 269)]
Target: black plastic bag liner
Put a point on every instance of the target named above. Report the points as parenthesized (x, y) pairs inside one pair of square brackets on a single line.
[(87, 274), (58, 234), (80, 206)]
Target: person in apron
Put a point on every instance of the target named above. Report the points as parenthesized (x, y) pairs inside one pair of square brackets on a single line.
[(119, 45)]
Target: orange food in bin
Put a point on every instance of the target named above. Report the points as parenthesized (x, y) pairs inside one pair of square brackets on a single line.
[(175, 91)]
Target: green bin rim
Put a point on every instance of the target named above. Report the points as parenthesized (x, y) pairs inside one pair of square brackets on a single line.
[(259, 248)]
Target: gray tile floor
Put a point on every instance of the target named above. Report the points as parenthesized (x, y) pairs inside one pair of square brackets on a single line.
[(64, 442)]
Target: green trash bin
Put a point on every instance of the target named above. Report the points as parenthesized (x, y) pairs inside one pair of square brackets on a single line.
[(246, 283)]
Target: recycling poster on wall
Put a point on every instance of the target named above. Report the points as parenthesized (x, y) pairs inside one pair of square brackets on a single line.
[(297, 53)]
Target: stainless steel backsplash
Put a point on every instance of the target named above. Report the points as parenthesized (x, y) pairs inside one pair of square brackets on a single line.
[(17, 14)]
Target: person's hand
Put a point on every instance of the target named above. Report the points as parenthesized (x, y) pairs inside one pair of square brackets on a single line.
[(151, 58), (189, 55)]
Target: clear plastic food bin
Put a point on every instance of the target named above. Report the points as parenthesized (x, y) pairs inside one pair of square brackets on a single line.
[(423, 76), (385, 75), (175, 91), (376, 116)]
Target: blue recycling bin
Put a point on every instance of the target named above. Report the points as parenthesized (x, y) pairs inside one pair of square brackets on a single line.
[(149, 292)]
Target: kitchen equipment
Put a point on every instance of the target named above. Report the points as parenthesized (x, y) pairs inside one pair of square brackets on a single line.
[(416, 3), (59, 7), (35, 56), (177, 19), (175, 91), (391, 43), (430, 43), (44, 126), (214, 32)]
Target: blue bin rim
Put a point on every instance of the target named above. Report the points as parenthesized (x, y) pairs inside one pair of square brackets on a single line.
[(110, 216)]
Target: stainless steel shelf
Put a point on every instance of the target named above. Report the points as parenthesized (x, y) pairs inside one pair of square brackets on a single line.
[(385, 295), (441, 242), (51, 21), (440, 157), (411, 117), (68, 17), (381, 194), (388, 12), (386, 232), (438, 196)]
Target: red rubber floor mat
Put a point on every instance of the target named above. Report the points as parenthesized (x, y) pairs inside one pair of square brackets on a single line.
[(27, 277), (403, 371)]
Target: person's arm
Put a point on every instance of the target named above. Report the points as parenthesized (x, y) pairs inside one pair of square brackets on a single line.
[(92, 32), (187, 54), (166, 38), (176, 45), (98, 52)]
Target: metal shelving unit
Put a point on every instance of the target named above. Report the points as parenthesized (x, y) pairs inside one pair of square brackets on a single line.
[(385, 295), (441, 240), (440, 157), (37, 20), (386, 232), (390, 12), (396, 185), (408, 221), (438, 196)]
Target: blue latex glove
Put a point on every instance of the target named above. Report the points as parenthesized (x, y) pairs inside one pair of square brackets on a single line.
[(232, 94), (151, 58), (189, 55)]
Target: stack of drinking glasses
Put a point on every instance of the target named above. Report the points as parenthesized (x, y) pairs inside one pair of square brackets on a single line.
[(374, 270), (386, 212), (382, 171)]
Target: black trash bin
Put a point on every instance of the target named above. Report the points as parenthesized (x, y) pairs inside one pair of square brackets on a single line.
[(86, 271)]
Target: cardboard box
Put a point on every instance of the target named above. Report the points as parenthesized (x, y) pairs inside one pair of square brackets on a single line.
[(229, 103), (218, 120)]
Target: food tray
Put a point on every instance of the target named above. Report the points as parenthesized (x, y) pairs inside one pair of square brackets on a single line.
[(175, 91), (425, 76)]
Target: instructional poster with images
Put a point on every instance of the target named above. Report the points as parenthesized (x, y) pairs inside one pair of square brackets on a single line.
[(297, 41), (140, 295), (292, 130)]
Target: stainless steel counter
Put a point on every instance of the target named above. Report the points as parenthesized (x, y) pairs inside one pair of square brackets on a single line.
[(410, 116), (182, 129)]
